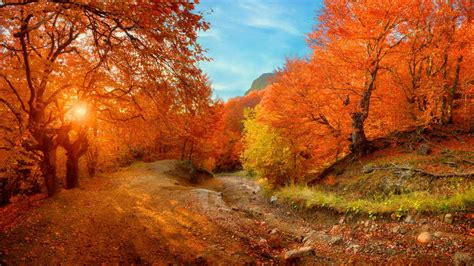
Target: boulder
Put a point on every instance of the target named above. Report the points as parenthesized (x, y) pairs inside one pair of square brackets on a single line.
[(299, 253)]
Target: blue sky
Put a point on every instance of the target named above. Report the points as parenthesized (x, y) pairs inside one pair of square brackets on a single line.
[(251, 37)]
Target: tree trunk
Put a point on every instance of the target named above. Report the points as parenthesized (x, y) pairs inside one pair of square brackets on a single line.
[(447, 106), (74, 151), (72, 171), (359, 144), (48, 170), (93, 154), (92, 161)]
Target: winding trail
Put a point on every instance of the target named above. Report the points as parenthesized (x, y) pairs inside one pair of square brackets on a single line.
[(147, 214)]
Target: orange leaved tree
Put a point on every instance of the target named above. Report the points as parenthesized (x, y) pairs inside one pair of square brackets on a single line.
[(50, 51)]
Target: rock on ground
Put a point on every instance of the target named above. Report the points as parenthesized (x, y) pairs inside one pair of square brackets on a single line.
[(298, 253), (424, 237)]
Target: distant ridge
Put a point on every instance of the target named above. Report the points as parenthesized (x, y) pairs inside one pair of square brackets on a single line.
[(261, 82)]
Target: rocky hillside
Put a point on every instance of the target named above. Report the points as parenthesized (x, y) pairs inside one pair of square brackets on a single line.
[(261, 82)]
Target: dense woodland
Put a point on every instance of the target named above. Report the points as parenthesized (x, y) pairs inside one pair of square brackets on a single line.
[(114, 148), (87, 86)]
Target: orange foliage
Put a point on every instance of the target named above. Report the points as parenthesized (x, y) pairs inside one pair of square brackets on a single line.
[(128, 61), (377, 67)]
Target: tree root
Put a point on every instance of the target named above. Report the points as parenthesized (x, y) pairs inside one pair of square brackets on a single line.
[(423, 172), (446, 150)]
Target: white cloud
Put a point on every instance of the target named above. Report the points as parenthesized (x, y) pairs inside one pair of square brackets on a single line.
[(238, 75), (265, 15)]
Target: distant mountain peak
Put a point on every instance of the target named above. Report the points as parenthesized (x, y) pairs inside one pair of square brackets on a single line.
[(261, 82)]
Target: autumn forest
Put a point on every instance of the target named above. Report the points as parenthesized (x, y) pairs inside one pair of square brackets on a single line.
[(366, 142)]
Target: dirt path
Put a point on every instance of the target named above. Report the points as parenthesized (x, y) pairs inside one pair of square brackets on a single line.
[(145, 214)]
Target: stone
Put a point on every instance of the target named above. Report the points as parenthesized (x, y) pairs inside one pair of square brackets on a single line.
[(273, 199), (367, 169), (407, 174), (463, 259), (409, 219), (341, 221), (396, 229), (424, 238), (335, 240), (273, 231), (316, 236), (299, 253), (438, 234), (424, 149), (448, 218), (403, 230)]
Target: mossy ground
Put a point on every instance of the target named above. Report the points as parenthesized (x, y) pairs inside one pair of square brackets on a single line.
[(351, 189)]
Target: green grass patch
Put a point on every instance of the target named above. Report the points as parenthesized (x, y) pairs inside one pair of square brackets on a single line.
[(417, 201)]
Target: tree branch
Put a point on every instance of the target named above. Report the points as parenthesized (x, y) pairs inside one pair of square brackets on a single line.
[(26, 61), (15, 91), (14, 111)]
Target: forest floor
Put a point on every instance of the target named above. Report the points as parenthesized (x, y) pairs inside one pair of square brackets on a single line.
[(148, 213)]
